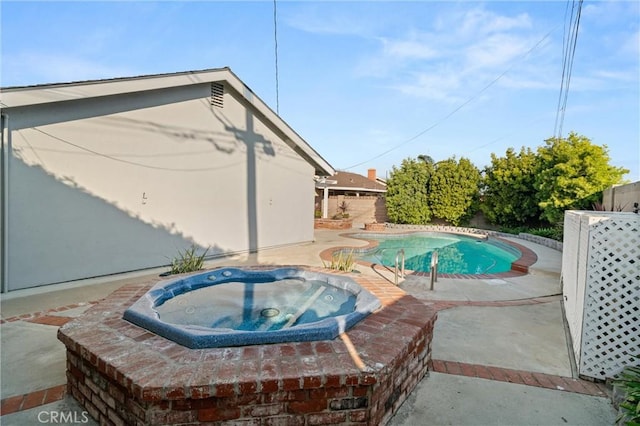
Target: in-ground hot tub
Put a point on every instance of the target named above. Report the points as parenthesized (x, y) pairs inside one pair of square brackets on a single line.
[(235, 307), (124, 374)]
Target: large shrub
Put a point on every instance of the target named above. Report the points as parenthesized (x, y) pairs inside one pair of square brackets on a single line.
[(406, 197), (453, 190), (509, 195), (573, 174)]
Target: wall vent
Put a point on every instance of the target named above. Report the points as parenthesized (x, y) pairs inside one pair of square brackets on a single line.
[(217, 95)]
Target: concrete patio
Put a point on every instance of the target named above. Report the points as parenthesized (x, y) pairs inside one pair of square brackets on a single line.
[(500, 351)]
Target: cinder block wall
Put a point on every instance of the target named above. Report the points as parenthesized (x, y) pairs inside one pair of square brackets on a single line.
[(622, 197), (363, 209)]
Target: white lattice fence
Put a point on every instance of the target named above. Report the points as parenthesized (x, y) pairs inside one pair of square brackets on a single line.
[(607, 267), (611, 327)]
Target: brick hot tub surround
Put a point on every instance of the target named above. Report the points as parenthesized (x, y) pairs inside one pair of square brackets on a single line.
[(123, 374)]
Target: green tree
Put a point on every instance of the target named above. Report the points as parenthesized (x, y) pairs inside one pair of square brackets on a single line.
[(453, 190), (406, 197), (509, 195), (573, 174)]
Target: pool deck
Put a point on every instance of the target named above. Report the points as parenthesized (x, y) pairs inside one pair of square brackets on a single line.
[(500, 351)]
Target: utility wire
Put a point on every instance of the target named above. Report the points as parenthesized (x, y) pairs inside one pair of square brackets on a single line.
[(458, 108), (275, 37), (568, 51), (565, 43), (539, 119)]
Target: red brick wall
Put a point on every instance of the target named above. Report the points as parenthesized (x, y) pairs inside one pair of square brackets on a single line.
[(369, 399), (125, 375)]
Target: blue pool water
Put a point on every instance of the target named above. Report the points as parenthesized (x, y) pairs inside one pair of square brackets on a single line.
[(457, 254)]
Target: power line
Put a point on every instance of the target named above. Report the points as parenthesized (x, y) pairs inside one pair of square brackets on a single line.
[(568, 53), (275, 37), (539, 119), (458, 108)]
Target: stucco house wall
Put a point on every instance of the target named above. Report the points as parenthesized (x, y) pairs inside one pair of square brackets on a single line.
[(115, 176)]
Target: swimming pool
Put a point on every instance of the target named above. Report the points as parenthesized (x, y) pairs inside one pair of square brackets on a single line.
[(457, 254)]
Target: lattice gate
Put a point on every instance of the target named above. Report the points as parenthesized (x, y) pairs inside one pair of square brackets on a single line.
[(601, 286)]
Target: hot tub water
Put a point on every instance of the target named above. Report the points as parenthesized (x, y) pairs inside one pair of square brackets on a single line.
[(258, 306), (237, 307)]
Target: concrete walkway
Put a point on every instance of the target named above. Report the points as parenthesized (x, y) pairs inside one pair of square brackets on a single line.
[(502, 346), (445, 399), (500, 353)]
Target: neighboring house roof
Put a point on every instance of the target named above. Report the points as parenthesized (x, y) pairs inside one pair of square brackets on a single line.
[(354, 182), (381, 181), (16, 99)]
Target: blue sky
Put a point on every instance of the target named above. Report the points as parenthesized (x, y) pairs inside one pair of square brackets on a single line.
[(359, 79)]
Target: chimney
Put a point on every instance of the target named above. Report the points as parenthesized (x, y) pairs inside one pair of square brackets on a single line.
[(371, 174)]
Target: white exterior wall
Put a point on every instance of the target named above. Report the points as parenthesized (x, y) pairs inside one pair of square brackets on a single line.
[(130, 184)]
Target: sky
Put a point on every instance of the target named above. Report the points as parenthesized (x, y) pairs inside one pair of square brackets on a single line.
[(365, 83)]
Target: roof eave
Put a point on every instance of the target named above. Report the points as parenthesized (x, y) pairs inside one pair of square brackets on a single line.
[(351, 188)]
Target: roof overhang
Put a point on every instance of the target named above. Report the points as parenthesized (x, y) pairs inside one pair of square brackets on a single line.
[(352, 189)]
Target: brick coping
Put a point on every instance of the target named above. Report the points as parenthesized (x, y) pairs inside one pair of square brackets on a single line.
[(38, 398), (520, 377), (519, 267), (35, 316), (17, 403)]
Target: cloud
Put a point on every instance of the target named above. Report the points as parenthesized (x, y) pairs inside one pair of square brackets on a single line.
[(605, 80), (315, 21), (411, 48), (496, 50), (539, 81), (457, 54), (441, 57), (631, 46), (627, 76), (408, 49), (608, 48), (439, 86), (36, 68), (606, 13), (479, 22)]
